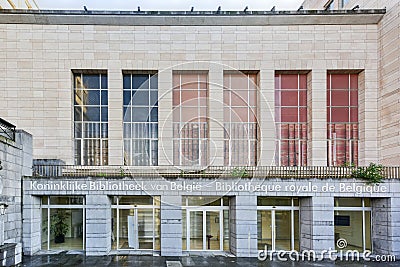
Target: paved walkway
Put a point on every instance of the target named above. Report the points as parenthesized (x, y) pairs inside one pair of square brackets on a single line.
[(77, 259)]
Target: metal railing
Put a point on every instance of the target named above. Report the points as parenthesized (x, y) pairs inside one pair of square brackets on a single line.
[(319, 172), (7, 129)]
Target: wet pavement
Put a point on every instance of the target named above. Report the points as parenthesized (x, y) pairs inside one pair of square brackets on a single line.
[(78, 259)]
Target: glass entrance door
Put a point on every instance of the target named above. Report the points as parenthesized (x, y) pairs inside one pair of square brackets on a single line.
[(213, 231), (204, 230), (278, 229)]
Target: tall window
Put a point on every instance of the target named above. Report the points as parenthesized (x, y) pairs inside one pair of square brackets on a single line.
[(353, 223), (190, 117), (291, 119), (91, 118), (140, 116), (240, 119), (342, 116)]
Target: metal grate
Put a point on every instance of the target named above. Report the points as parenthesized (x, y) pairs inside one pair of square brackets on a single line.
[(297, 172), (7, 130)]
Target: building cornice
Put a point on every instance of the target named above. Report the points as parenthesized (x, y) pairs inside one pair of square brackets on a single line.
[(197, 18)]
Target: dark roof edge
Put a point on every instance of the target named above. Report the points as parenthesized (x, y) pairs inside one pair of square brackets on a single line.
[(194, 13), (187, 18)]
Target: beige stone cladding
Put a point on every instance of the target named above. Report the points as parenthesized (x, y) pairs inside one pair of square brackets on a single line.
[(37, 59)]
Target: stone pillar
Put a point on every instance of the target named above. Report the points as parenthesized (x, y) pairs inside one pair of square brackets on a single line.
[(165, 118), (31, 225), (266, 117), (216, 115), (243, 228), (386, 226), (171, 226), (317, 149), (98, 225), (115, 132), (317, 223)]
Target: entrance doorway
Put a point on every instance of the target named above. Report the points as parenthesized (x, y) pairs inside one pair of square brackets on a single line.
[(278, 226), (206, 228), (63, 220), (136, 223)]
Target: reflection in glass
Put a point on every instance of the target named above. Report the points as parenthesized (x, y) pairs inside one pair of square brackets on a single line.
[(291, 119), (196, 230), (71, 220), (283, 230), (190, 121), (44, 228), (264, 226), (140, 116), (90, 115), (136, 227), (226, 230), (240, 119), (145, 228), (350, 227), (212, 230), (184, 230)]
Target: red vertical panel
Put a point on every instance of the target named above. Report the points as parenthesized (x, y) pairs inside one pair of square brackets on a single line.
[(291, 144), (284, 152), (284, 131), (303, 81), (348, 145), (355, 143)]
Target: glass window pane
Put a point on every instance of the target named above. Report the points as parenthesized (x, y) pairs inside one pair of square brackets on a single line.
[(153, 98), (289, 81), (78, 113), (274, 201), (104, 82), (140, 98), (140, 81), (154, 82), (127, 97), (91, 81), (196, 230), (154, 115), (339, 98), (348, 202), (289, 98), (140, 114), (289, 115), (340, 114), (127, 83), (339, 81), (104, 114), (264, 229), (104, 97), (349, 226), (91, 114)]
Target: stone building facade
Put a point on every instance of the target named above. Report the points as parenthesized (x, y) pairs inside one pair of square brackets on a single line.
[(180, 132)]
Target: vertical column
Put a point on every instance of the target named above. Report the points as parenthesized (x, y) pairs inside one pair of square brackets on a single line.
[(115, 130), (171, 226), (244, 226), (318, 153), (165, 118), (266, 117), (317, 223), (368, 117), (386, 227), (31, 224), (98, 225), (216, 115)]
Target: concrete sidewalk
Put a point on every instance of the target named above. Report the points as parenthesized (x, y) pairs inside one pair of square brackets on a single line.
[(79, 259)]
